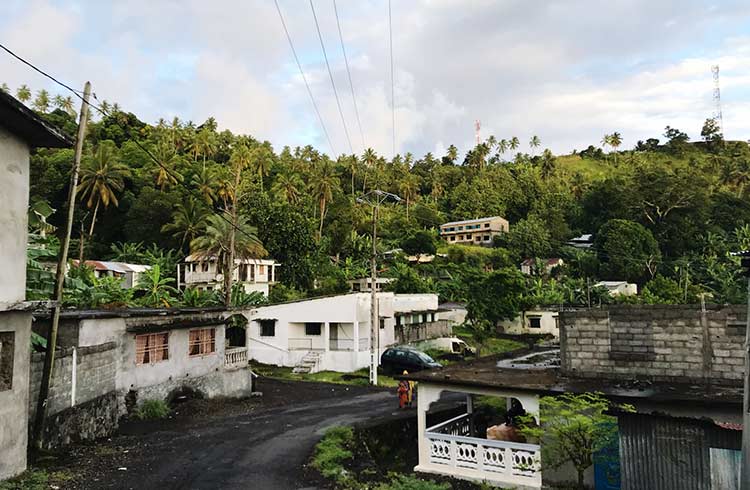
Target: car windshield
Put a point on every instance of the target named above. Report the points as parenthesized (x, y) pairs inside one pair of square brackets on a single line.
[(424, 357)]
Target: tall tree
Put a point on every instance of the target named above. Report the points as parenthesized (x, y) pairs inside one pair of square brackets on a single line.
[(548, 163), (102, 177), (502, 146), (166, 174), (370, 159), (409, 189), (289, 186), (23, 93), (514, 143), (534, 143), (615, 140), (204, 182), (42, 101), (323, 185), (188, 221)]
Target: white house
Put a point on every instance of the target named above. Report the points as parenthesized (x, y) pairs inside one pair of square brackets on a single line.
[(20, 131), (328, 333), (479, 231), (617, 288), (543, 266), (129, 273), (538, 320), (364, 284), (203, 273)]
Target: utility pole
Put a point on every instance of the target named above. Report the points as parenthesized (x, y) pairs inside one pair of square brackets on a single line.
[(62, 261), (375, 198)]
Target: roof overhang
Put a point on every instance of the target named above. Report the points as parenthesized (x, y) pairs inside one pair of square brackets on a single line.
[(28, 126)]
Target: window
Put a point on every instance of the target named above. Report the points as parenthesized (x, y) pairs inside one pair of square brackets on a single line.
[(261, 269), (486, 225), (267, 328), (204, 266), (313, 328), (201, 341), (535, 322), (7, 348), (355, 286), (487, 238), (151, 348), (398, 321), (460, 228), (382, 323), (453, 239)]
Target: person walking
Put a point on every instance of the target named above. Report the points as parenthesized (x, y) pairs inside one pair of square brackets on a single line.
[(403, 393), (410, 394)]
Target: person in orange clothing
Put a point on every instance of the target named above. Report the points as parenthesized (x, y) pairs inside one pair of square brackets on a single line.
[(403, 393), (410, 394)]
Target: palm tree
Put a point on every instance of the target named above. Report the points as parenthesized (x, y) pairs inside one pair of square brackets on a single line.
[(41, 102), (606, 139), (224, 238), (514, 143), (23, 93), (408, 187), (67, 106), (165, 173), (204, 182), (188, 221), (58, 101), (615, 140), (289, 187), (102, 176), (491, 142), (369, 158), (502, 146), (261, 161), (534, 143), (323, 184), (204, 143), (452, 154), (352, 164), (548, 163)]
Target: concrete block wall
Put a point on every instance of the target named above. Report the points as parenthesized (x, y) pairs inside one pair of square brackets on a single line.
[(96, 371), (678, 343)]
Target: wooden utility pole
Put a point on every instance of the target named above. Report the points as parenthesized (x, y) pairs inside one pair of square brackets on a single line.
[(62, 261), (374, 316)]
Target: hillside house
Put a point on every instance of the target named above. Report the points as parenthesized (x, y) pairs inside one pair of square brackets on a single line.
[(618, 288), (21, 130), (203, 273), (333, 332), (364, 284), (129, 273), (474, 231), (540, 266), (540, 320)]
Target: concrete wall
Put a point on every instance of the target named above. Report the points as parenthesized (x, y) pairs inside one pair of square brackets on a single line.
[(520, 324), (674, 343), (14, 401), (14, 189)]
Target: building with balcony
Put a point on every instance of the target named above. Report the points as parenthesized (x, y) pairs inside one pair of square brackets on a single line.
[(479, 231), (328, 333), (203, 273)]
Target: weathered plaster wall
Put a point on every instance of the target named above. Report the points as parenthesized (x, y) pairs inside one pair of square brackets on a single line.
[(520, 324), (14, 401), (661, 342)]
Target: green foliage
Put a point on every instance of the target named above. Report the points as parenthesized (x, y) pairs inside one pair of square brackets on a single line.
[(332, 452), (529, 238), (153, 409), (193, 297), (663, 290), (281, 293), (573, 428), (157, 291), (495, 296), (627, 250), (29, 480), (411, 482), (421, 242), (240, 297), (407, 280)]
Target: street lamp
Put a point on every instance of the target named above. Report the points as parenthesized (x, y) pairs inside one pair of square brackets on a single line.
[(375, 198), (745, 463)]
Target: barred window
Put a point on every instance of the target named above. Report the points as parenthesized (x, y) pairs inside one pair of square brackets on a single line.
[(151, 348), (202, 341)]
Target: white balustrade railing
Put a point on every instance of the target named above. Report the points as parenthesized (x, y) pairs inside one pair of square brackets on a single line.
[(235, 357), (512, 461), (457, 426), (192, 277)]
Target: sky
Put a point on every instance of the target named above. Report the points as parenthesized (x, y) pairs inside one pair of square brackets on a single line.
[(566, 71)]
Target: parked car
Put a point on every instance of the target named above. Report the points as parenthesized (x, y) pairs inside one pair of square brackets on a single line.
[(399, 359), (452, 345)]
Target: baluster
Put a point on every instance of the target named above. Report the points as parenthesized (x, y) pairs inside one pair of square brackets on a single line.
[(509, 462), (480, 457), (453, 453)]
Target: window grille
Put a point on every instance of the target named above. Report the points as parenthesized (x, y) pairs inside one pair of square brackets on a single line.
[(151, 348), (202, 341)]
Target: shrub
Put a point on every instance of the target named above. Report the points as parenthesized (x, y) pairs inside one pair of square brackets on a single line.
[(152, 410), (331, 453), (409, 482)]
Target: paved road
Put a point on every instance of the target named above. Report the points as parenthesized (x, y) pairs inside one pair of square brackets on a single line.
[(262, 450)]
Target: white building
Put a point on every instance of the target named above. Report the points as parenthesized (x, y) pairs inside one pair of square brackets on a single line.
[(364, 284), (474, 231), (129, 273), (20, 131), (538, 320), (617, 288), (203, 273), (540, 266), (328, 333)]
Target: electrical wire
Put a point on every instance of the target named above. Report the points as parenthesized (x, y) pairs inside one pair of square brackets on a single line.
[(393, 97), (99, 109), (330, 75), (304, 78), (349, 74)]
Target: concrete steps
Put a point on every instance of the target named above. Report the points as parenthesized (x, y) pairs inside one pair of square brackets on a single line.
[(308, 363)]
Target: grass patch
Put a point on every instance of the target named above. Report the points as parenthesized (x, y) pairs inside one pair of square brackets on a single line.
[(29, 480), (152, 410), (357, 378), (492, 345), (332, 452), (409, 482)]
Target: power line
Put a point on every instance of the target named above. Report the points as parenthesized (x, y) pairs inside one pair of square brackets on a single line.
[(393, 98), (349, 74), (169, 172), (330, 75), (304, 78)]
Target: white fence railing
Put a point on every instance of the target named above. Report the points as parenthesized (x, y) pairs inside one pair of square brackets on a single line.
[(457, 426), (235, 357), (498, 460)]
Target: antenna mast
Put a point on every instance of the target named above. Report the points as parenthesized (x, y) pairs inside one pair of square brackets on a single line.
[(717, 98)]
